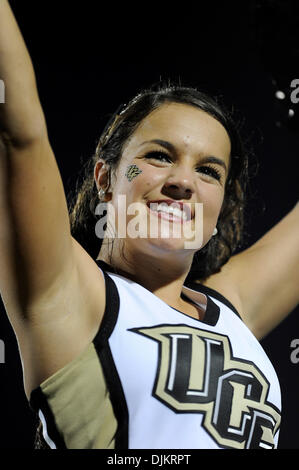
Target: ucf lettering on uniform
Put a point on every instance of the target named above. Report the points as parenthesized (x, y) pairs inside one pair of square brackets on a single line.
[(197, 373)]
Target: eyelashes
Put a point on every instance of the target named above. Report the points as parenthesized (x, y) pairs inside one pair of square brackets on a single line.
[(211, 171), (205, 169), (157, 154)]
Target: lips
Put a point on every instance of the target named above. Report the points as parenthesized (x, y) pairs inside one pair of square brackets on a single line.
[(186, 208)]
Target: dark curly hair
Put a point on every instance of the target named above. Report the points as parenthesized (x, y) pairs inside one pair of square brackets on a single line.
[(121, 126)]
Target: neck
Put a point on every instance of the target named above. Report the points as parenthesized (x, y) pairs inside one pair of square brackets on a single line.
[(163, 274)]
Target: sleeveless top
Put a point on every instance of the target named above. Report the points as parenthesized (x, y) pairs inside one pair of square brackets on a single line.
[(156, 378)]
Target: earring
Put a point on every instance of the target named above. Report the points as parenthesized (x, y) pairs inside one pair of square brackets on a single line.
[(215, 231), (101, 193)]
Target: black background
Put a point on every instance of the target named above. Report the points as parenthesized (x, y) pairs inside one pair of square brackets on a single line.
[(91, 56)]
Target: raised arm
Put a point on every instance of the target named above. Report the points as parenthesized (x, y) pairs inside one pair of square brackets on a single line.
[(35, 241), (38, 256), (52, 291), (21, 117), (263, 280)]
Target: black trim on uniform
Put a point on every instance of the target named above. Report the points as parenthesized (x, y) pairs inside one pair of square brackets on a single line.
[(117, 396), (102, 347), (111, 308), (213, 293), (38, 401), (212, 313), (105, 266)]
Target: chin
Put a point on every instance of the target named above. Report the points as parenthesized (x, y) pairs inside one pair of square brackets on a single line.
[(164, 245)]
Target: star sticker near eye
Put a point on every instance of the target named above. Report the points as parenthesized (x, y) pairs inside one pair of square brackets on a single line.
[(132, 172)]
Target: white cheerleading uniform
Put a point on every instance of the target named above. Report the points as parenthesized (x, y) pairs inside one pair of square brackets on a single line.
[(170, 381)]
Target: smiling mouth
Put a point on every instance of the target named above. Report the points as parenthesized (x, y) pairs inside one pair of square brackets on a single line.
[(171, 211)]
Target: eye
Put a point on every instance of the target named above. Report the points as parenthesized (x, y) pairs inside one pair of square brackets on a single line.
[(210, 171), (205, 169), (158, 155)]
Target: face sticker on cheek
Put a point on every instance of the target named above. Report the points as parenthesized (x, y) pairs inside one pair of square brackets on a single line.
[(132, 171)]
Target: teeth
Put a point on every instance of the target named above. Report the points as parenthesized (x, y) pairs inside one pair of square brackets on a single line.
[(169, 210)]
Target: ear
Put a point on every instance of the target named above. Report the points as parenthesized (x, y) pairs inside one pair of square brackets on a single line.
[(101, 174)]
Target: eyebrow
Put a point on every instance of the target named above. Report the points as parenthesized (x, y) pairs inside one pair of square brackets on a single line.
[(169, 146)]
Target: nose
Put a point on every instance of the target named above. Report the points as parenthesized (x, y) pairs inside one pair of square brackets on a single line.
[(180, 183)]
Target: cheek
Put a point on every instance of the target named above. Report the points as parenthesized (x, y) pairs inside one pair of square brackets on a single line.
[(132, 181), (145, 179), (212, 197)]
